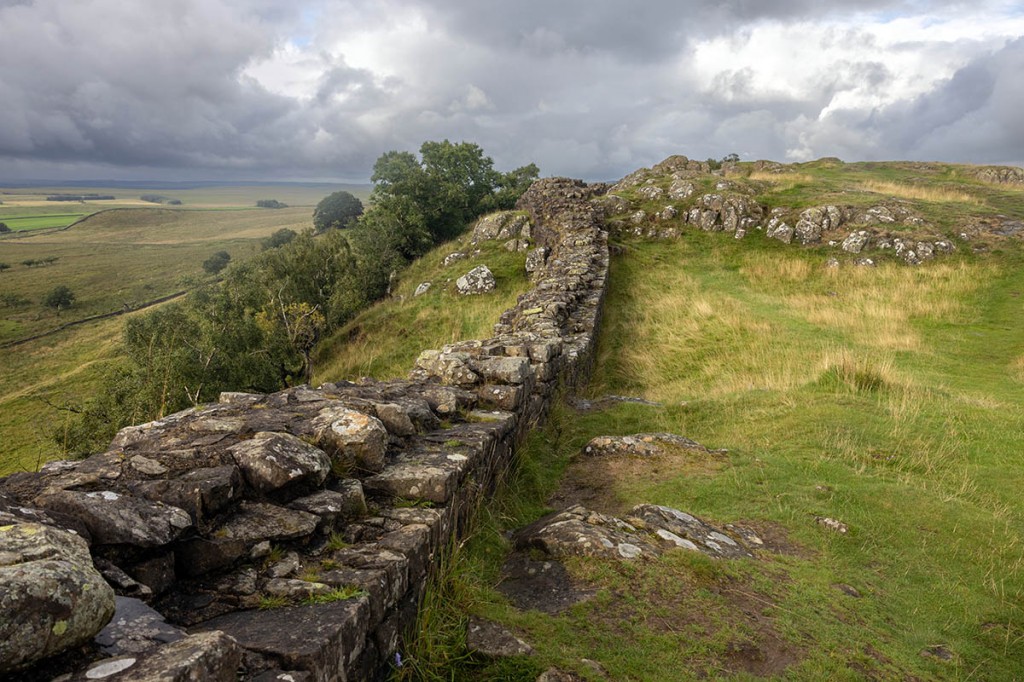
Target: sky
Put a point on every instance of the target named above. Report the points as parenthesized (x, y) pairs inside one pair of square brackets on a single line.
[(318, 89)]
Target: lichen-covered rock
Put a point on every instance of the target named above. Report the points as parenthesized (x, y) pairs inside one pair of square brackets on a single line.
[(501, 225), (346, 501), (814, 221), (640, 445), (273, 461), (536, 259), (778, 229), (118, 519), (421, 288), (203, 657), (51, 596), (855, 242), (680, 529), (451, 368), (479, 280), (578, 531), (346, 433), (452, 258)]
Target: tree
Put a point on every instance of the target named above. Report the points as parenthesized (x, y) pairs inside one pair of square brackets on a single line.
[(59, 297), (270, 203), (4, 228), (336, 210), (216, 262), (279, 238), (513, 184)]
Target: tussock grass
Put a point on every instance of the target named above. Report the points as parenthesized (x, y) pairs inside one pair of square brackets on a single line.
[(933, 193)]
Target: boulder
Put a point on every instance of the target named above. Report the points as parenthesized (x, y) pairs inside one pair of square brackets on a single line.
[(348, 434), (479, 280), (578, 531), (273, 461), (490, 639), (679, 529), (421, 288), (856, 241), (51, 596)]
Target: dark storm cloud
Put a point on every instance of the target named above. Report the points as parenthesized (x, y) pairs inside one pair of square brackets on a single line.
[(267, 88)]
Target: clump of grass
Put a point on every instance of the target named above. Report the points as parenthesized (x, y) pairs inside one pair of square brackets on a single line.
[(920, 192), (337, 594), (337, 541), (405, 503), (858, 373), (267, 602)]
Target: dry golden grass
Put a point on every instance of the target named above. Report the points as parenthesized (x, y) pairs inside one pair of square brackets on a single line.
[(782, 179), (875, 306), (921, 193)]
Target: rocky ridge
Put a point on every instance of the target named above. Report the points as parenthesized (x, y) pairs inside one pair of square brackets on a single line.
[(678, 194)]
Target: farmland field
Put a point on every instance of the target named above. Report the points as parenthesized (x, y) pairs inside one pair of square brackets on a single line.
[(117, 260)]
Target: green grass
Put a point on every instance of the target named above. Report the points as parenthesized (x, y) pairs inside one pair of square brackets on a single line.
[(888, 398), (40, 222), (384, 341)]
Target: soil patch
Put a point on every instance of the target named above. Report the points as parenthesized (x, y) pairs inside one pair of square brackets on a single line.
[(543, 585)]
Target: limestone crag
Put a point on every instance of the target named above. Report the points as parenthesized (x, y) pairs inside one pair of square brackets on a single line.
[(329, 503)]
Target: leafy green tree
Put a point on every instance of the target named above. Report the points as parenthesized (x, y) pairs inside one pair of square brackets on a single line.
[(217, 262), (59, 297), (3, 227), (270, 203), (513, 185), (279, 238), (336, 210)]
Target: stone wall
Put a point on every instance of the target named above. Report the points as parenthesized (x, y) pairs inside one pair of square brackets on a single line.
[(330, 505)]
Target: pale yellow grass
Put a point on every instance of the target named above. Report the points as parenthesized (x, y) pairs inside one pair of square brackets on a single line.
[(787, 179), (918, 192), (1017, 368), (874, 306), (708, 344)]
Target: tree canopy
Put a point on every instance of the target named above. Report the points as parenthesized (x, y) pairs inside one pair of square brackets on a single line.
[(337, 210), (59, 297), (217, 262)]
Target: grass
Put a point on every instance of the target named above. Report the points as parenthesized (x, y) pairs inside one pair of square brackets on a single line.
[(888, 398), (921, 192), (384, 341), (40, 222)]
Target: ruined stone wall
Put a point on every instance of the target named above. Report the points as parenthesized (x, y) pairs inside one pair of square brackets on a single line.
[(335, 500)]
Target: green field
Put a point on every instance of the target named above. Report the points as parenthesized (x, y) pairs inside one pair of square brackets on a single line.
[(115, 260)]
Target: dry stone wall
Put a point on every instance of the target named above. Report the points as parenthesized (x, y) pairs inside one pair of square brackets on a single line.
[(329, 504)]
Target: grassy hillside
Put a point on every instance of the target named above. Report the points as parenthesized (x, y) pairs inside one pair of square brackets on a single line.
[(887, 398), (384, 341)]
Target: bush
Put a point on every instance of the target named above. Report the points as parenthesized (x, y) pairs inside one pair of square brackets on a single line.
[(217, 262), (278, 239), (270, 203), (60, 297), (3, 227)]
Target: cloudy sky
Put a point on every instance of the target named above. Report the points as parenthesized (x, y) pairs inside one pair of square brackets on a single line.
[(317, 89)]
